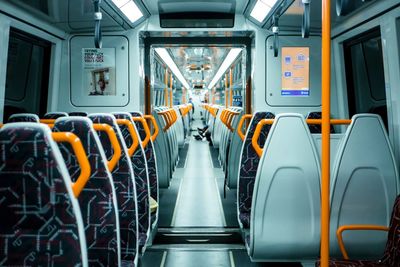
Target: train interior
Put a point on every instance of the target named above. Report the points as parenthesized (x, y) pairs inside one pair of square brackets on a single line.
[(188, 133)]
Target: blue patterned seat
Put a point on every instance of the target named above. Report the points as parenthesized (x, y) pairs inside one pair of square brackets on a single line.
[(142, 181), (24, 117), (150, 158), (316, 128), (248, 167), (55, 115), (78, 113), (41, 221), (98, 199), (124, 170)]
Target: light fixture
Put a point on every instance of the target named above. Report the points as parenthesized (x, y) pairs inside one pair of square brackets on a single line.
[(163, 53), (129, 8), (232, 55), (261, 9)]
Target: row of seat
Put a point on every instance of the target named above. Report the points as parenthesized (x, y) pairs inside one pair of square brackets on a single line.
[(279, 192), (92, 201), (175, 123)]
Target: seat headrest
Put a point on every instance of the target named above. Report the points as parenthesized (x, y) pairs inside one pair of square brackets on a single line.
[(24, 117)]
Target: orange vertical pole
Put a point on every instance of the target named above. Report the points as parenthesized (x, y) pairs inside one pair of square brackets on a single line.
[(326, 113), (166, 87), (226, 90), (230, 87), (171, 96)]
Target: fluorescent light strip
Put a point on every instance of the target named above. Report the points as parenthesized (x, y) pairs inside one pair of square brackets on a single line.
[(129, 8), (262, 8), (232, 55), (163, 53)]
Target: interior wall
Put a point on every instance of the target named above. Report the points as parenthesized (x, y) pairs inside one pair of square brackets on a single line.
[(36, 27)]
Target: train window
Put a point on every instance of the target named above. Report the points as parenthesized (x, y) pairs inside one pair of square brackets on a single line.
[(27, 77), (365, 74)]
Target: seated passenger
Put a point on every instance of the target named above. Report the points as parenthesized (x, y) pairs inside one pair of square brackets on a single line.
[(204, 133)]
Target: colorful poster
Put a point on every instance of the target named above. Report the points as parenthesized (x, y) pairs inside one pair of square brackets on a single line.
[(99, 71), (295, 71)]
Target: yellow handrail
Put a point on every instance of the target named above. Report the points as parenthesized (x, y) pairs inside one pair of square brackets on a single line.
[(135, 139), (114, 143), (355, 227), (146, 130), (240, 125), (81, 157), (155, 126)]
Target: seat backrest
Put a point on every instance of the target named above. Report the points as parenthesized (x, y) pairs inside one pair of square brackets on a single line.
[(98, 199), (248, 164), (139, 164), (150, 158), (55, 115), (40, 214), (286, 194), (78, 113), (391, 256), (161, 149), (364, 185), (125, 160), (24, 117)]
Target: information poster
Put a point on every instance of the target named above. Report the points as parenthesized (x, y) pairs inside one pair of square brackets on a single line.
[(295, 71), (99, 71)]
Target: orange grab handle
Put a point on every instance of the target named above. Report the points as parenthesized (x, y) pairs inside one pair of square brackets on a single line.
[(114, 143), (240, 125), (333, 121), (163, 114), (132, 132), (153, 121), (257, 132), (232, 114), (47, 121), (355, 227), (146, 130), (223, 116), (81, 157)]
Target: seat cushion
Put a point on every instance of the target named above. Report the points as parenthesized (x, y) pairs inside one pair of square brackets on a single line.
[(245, 219)]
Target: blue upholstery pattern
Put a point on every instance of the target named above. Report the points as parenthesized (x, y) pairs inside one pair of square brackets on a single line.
[(78, 113), (391, 256), (97, 200), (24, 117), (41, 223), (248, 166), (150, 157), (55, 115), (316, 128), (142, 182), (122, 174)]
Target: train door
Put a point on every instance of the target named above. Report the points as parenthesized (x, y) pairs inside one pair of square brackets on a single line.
[(27, 79)]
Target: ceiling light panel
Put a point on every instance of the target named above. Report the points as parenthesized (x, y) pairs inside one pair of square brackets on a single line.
[(130, 9), (261, 9), (230, 58), (163, 53)]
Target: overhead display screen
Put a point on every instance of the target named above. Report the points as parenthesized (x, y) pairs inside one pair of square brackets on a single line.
[(295, 71)]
